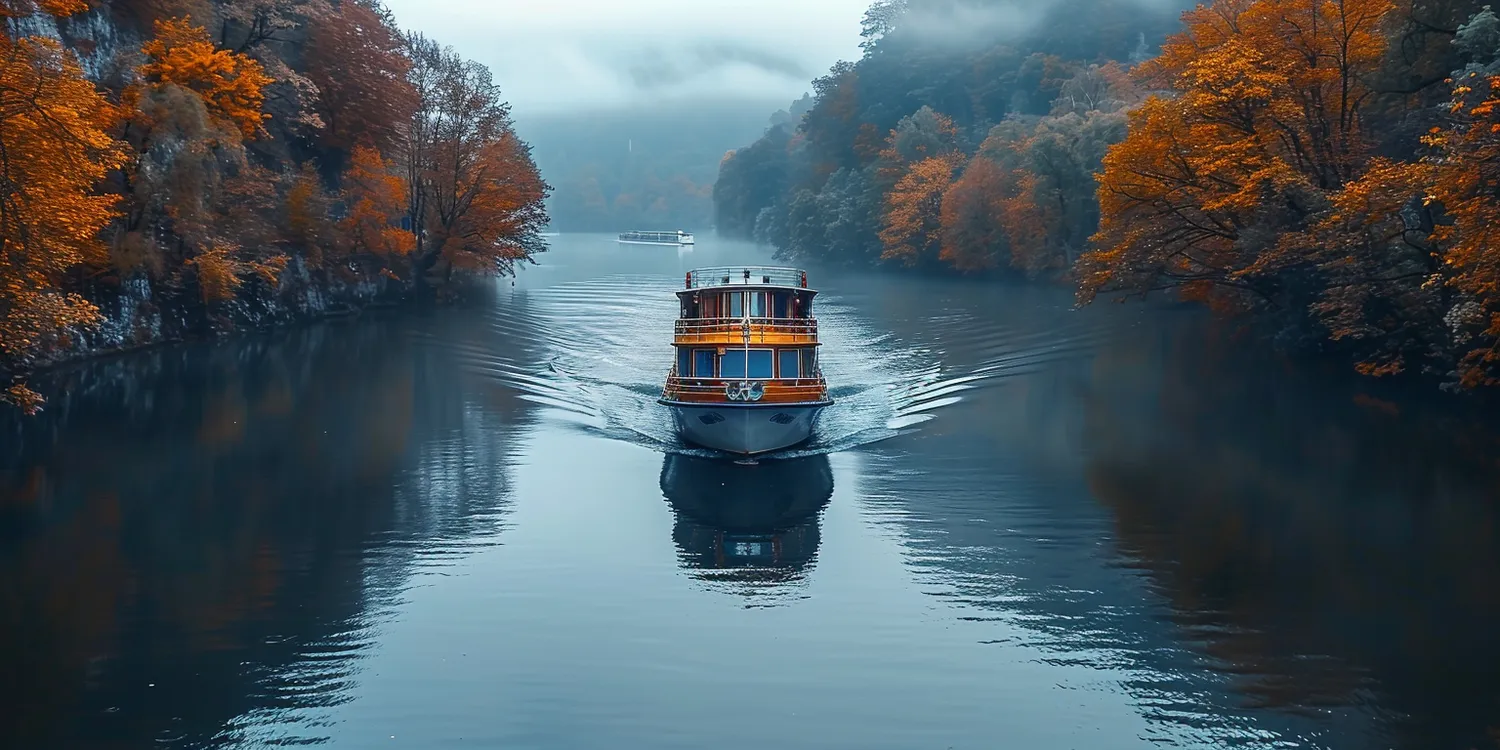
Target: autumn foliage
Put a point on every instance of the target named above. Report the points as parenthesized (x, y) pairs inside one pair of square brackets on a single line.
[(1254, 185), (246, 140), (54, 134), (231, 85)]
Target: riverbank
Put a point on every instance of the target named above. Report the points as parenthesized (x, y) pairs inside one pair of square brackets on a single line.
[(140, 315)]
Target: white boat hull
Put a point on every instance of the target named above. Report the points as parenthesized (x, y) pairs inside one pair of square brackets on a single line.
[(745, 430)]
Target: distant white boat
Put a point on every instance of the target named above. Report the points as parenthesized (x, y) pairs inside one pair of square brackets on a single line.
[(677, 238)]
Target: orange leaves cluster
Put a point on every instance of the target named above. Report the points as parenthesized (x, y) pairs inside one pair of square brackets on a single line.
[(54, 131), (231, 85), (503, 198), (912, 234), (375, 199), (1263, 125), (56, 8)]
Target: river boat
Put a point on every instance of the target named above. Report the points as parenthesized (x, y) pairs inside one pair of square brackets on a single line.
[(747, 378), (674, 239)]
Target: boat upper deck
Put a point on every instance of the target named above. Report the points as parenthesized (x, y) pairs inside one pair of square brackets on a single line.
[(743, 276)]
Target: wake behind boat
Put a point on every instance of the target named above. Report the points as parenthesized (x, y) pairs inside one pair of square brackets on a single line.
[(747, 379), (676, 238)]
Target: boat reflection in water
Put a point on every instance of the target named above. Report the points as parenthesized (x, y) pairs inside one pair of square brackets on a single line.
[(750, 524)]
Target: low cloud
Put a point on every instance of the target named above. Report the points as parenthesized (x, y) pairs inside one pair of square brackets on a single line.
[(566, 55), (656, 68)]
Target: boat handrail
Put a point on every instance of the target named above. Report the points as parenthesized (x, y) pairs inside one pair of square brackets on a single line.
[(701, 278), (718, 383), (803, 325)]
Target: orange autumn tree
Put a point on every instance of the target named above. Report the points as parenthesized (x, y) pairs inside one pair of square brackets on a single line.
[(375, 199), (54, 135), (1263, 123), (231, 85), (191, 110), (501, 210), (912, 231), (972, 213)]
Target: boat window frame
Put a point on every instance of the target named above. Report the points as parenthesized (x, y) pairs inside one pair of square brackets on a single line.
[(756, 304), (781, 305), (796, 353), (809, 359), (684, 362), (760, 350), (713, 362), (723, 372)]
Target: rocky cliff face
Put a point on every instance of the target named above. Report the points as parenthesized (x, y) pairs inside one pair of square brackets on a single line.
[(141, 315), (140, 312)]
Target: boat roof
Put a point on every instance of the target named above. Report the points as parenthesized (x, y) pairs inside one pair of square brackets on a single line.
[(746, 276)]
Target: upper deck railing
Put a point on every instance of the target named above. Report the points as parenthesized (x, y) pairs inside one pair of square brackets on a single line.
[(753, 330), (746, 275)]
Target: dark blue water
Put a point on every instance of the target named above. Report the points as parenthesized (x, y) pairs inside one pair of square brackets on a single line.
[(1021, 526)]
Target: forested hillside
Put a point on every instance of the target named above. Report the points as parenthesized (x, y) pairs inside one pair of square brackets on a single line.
[(174, 167), (1323, 168), (1037, 90)]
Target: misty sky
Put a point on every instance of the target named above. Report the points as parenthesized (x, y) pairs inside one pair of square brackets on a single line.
[(555, 55)]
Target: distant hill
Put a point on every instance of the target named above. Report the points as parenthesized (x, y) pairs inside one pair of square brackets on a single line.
[(652, 168)]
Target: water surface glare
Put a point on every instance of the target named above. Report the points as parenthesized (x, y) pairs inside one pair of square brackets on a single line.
[(1021, 526)]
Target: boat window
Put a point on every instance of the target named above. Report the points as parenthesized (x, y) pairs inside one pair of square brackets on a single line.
[(737, 305), (789, 364), (703, 363), (732, 364), (809, 362), (710, 305), (780, 305), (684, 363), (761, 362), (757, 304)]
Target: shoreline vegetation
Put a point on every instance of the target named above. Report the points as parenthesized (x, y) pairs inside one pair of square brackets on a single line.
[(1324, 171), (180, 169)]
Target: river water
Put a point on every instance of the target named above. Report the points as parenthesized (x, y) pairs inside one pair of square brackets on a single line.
[(1021, 526)]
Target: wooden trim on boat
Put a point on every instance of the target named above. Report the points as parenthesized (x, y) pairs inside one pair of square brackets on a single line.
[(711, 391), (731, 331)]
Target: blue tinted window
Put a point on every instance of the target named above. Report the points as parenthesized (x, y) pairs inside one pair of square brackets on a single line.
[(761, 362), (809, 362), (684, 363), (789, 364), (737, 305), (757, 304), (780, 304), (732, 364), (703, 363)]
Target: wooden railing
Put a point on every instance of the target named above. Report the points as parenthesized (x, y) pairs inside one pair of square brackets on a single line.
[(777, 390), (762, 330)]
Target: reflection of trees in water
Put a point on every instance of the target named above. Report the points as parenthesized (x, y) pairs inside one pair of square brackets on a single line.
[(752, 527), (217, 521), (1328, 551)]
